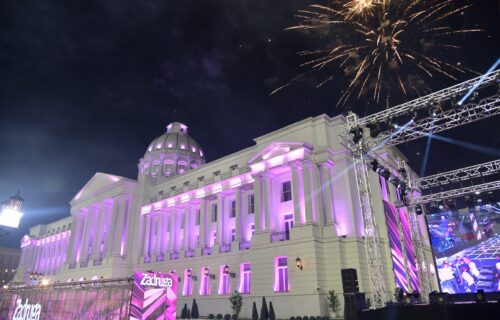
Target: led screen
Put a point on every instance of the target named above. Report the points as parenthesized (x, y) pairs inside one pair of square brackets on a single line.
[(466, 246)]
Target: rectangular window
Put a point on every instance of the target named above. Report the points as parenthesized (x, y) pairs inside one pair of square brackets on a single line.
[(215, 236), (233, 235), (245, 278), (286, 191), (214, 213), (187, 289), (232, 213), (251, 204), (252, 227), (198, 216), (197, 241), (280, 274), (224, 281), (205, 281)]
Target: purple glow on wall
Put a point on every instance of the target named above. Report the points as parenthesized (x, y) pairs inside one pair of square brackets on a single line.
[(410, 253)]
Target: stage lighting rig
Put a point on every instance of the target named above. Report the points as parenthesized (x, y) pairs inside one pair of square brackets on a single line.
[(357, 134), (419, 210), (375, 166), (375, 129)]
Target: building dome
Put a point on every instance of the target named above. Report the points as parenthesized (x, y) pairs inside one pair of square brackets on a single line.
[(172, 153)]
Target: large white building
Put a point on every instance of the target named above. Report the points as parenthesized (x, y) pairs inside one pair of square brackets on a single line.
[(242, 222)]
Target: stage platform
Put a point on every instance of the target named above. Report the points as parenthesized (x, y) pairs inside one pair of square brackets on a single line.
[(465, 311)]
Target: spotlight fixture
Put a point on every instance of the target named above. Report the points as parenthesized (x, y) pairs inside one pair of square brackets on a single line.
[(480, 297), (374, 129), (226, 269), (357, 134), (418, 210), (374, 165), (298, 263)]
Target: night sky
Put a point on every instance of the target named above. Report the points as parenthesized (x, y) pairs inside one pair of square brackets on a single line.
[(85, 86)]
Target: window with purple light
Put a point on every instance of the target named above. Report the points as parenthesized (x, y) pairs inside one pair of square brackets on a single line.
[(245, 278), (286, 191), (233, 235), (232, 213), (251, 204), (205, 281), (252, 227), (224, 284), (281, 274), (187, 289), (215, 236)]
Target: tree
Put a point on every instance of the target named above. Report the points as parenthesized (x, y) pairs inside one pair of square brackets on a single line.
[(272, 316), (236, 303), (255, 315), (184, 311), (194, 310), (333, 302), (264, 313)]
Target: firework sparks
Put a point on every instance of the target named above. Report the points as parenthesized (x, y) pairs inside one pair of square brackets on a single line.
[(384, 47)]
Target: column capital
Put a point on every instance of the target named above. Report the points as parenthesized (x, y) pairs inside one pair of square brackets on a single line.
[(296, 164)]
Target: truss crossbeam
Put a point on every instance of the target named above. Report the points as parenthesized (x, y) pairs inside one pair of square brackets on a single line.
[(442, 121), (462, 174), (425, 101), (480, 188)]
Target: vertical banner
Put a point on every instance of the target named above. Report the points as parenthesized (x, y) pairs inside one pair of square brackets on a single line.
[(396, 247), (154, 296)]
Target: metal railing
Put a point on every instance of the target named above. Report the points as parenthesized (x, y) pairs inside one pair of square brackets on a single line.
[(280, 236)]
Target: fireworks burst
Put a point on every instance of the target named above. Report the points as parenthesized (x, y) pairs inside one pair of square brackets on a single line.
[(384, 47)]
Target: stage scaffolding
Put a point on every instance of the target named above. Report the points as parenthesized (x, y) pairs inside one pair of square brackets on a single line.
[(101, 299), (412, 120)]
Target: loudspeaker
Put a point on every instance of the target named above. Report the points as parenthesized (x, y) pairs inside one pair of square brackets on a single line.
[(350, 280), (353, 303)]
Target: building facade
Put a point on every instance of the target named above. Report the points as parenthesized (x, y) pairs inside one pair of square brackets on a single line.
[(280, 219)]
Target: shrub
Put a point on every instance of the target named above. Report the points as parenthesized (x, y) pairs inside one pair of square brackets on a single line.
[(236, 303), (184, 311), (306, 318), (272, 316), (194, 310), (264, 313), (188, 314), (255, 315), (227, 316), (299, 318), (292, 318), (219, 316), (333, 302), (211, 316)]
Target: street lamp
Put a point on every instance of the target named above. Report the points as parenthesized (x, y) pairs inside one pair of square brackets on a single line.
[(10, 213)]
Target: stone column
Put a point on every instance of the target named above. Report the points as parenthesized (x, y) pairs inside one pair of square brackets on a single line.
[(86, 234), (317, 195), (109, 218), (187, 219), (257, 187), (306, 181), (147, 230), (267, 203), (237, 218), (297, 193), (117, 234), (327, 184), (74, 235), (164, 237), (203, 223), (97, 254), (159, 233), (220, 220), (173, 230)]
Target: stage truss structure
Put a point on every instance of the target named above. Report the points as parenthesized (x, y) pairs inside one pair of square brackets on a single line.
[(365, 147)]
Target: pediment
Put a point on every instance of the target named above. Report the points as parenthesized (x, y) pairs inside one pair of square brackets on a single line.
[(97, 183), (276, 149)]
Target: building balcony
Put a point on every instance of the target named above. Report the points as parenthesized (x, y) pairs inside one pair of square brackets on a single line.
[(160, 257), (207, 251), (280, 236), (245, 245), (226, 247), (189, 253), (174, 255)]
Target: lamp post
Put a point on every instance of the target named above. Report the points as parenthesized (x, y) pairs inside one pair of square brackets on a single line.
[(10, 213)]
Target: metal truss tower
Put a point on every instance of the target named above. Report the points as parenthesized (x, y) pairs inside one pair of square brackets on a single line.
[(364, 147)]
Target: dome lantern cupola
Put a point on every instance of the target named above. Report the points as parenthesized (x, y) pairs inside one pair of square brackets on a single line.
[(172, 153)]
